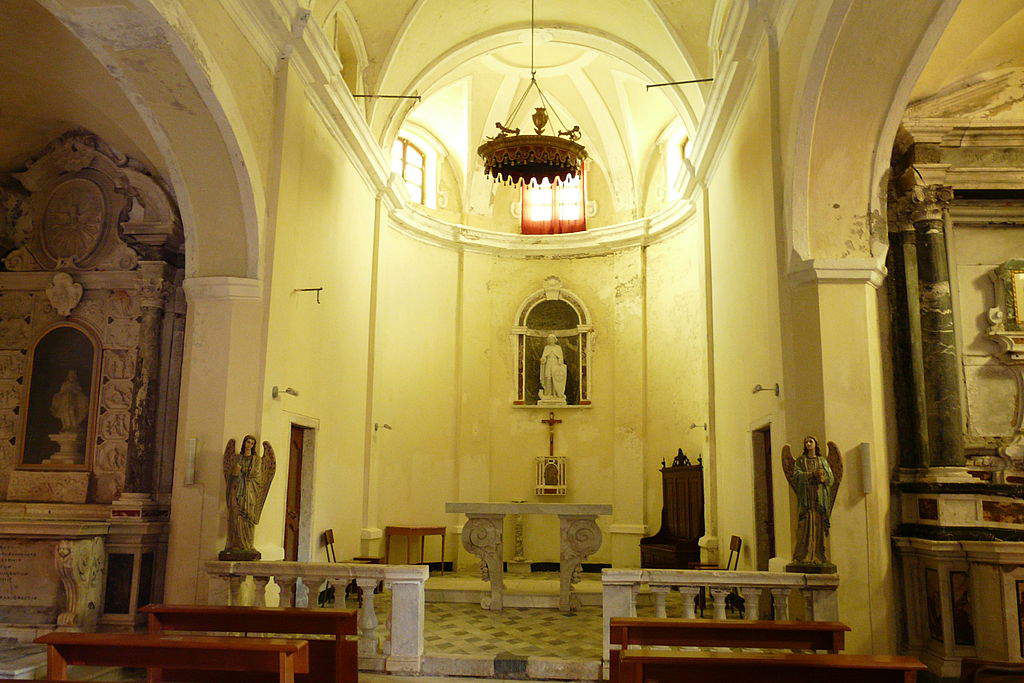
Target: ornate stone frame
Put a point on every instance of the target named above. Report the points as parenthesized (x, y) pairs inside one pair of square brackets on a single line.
[(94, 398), (552, 290)]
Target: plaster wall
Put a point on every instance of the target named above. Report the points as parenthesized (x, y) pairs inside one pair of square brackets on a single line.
[(324, 238)]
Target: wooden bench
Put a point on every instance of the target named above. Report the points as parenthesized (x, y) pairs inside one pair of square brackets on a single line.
[(772, 635), (333, 660), (278, 656), (755, 667), (980, 671)]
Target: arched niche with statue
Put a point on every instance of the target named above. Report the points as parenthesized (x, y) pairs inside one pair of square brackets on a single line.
[(552, 349)]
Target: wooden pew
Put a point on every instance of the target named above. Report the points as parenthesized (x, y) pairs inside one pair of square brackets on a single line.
[(772, 635), (278, 656), (655, 666), (980, 671), (333, 660)]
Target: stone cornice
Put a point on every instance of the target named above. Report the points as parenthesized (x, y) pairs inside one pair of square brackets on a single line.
[(222, 288), (838, 271), (595, 242)]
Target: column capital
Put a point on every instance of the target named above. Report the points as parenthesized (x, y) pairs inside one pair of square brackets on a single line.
[(926, 202)]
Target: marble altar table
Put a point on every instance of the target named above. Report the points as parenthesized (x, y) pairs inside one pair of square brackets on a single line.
[(483, 531)]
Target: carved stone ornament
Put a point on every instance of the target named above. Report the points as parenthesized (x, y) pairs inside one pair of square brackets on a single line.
[(64, 294), (80, 566), (482, 536), (1006, 330), (90, 208), (581, 538)]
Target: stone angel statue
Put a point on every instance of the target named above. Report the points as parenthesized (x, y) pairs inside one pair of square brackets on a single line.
[(247, 475), (815, 479)]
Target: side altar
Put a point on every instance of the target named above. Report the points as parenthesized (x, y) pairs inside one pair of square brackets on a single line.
[(483, 531)]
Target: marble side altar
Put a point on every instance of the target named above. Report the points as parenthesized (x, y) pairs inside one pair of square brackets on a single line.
[(483, 531)]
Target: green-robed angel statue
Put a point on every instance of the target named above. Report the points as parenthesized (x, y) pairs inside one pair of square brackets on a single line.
[(815, 479)]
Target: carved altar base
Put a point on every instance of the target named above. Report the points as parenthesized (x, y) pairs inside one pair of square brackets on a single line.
[(483, 531)]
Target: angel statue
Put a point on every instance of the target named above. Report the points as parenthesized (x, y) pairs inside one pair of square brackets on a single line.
[(815, 479), (248, 476)]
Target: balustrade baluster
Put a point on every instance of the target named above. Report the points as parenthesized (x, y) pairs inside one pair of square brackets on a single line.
[(287, 595), (780, 599), (689, 595), (720, 595), (235, 589), (259, 590), (660, 594), (751, 597), (367, 617), (313, 584)]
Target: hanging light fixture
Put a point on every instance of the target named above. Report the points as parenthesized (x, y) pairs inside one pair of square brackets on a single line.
[(517, 159)]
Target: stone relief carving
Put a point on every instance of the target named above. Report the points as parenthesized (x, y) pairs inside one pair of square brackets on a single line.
[(64, 294), (10, 394), (581, 538), (111, 456), (115, 425), (118, 364), (80, 566), (12, 364), (117, 394), (482, 536), (58, 487)]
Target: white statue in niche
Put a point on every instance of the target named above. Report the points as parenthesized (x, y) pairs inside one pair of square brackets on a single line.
[(552, 374), (70, 405)]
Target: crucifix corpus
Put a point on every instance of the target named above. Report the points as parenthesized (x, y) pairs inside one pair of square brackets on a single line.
[(551, 422)]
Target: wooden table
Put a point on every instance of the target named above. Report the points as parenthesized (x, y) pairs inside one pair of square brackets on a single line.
[(282, 657), (411, 532)]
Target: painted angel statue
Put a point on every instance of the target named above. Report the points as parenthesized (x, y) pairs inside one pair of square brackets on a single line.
[(247, 475), (815, 479)]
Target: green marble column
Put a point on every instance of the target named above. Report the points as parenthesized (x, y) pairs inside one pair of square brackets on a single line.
[(941, 374)]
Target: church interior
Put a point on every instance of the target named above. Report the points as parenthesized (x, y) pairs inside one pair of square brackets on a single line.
[(664, 340)]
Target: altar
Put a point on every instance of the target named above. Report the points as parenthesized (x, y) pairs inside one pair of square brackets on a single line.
[(482, 535)]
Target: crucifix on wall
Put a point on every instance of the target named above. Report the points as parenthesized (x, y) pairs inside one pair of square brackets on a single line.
[(551, 468)]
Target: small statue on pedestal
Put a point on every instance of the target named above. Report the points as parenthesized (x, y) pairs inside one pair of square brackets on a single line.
[(815, 479), (70, 405), (247, 475)]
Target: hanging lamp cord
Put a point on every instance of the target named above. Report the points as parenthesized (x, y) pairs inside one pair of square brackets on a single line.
[(533, 78)]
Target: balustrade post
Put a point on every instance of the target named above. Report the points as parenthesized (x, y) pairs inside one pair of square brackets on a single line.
[(821, 604), (407, 614), (217, 591), (689, 595), (751, 598), (720, 595), (618, 598), (259, 590), (367, 617), (660, 594), (780, 600)]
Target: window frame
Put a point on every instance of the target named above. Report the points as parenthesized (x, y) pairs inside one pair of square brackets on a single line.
[(408, 144)]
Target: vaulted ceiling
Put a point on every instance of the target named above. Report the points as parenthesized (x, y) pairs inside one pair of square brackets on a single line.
[(469, 60)]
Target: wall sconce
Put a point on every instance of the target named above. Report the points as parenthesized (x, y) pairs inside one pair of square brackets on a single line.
[(276, 392)]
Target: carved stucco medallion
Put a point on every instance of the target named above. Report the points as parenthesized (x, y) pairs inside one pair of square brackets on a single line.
[(72, 224)]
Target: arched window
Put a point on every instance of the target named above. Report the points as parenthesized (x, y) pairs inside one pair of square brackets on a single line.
[(554, 208), (408, 161)]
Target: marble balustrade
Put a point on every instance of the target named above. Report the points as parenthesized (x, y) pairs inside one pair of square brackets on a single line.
[(245, 583), (816, 591)]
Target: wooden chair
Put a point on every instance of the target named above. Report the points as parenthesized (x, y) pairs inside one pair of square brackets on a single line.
[(781, 635), (752, 667), (333, 659), (979, 671), (245, 658)]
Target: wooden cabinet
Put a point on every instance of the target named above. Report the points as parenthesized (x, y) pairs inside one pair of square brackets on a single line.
[(682, 520)]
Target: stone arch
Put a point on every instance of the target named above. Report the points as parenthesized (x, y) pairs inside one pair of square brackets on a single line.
[(158, 59), (835, 187)]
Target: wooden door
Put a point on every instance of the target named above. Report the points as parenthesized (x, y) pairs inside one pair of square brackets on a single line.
[(764, 508), (294, 500)]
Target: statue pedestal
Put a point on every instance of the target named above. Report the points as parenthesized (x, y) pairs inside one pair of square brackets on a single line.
[(811, 568), (552, 402), (239, 555), (69, 452)]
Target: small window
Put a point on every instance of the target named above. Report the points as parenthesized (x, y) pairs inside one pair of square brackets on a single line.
[(408, 161), (553, 208)]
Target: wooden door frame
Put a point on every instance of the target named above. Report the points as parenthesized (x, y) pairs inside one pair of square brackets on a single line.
[(310, 427), (758, 464)]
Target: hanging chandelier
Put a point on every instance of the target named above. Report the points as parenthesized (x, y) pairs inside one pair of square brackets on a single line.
[(516, 159)]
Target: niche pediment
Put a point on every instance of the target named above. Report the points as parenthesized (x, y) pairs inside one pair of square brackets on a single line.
[(90, 208)]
